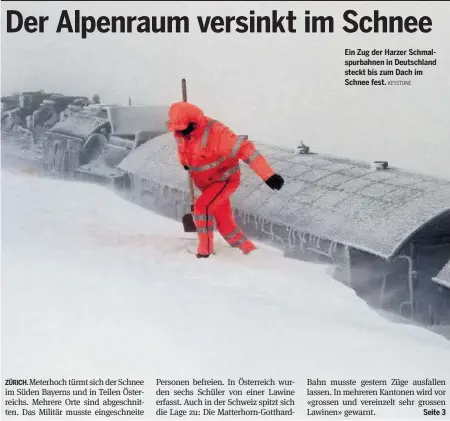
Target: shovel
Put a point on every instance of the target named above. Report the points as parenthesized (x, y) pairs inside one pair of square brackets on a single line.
[(188, 220)]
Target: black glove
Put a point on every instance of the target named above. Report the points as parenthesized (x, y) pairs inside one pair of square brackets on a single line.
[(185, 167), (275, 182)]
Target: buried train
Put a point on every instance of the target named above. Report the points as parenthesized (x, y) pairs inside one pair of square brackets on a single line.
[(71, 136), (386, 231)]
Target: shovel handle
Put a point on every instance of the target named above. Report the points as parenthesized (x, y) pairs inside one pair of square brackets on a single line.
[(183, 89), (191, 184), (191, 191)]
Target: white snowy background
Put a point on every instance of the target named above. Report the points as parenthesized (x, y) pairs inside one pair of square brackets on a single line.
[(93, 286), (276, 88)]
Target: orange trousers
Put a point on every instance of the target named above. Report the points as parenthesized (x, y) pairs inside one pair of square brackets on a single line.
[(213, 207)]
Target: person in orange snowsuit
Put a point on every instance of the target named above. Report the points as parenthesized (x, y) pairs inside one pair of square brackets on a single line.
[(211, 152)]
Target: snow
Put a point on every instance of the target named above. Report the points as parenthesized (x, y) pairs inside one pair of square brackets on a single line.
[(130, 119), (443, 277), (78, 125), (93, 285)]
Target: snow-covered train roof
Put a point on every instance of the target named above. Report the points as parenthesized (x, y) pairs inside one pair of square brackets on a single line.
[(79, 125), (338, 199), (443, 277), (124, 120)]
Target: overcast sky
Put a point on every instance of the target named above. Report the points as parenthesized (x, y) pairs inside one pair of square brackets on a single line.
[(276, 88)]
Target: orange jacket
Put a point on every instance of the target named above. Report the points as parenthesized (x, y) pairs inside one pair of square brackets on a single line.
[(213, 151)]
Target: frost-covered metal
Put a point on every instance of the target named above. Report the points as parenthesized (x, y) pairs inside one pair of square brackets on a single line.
[(79, 125), (341, 200), (91, 141), (123, 120), (443, 277)]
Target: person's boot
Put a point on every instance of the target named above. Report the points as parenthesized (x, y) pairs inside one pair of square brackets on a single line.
[(205, 245)]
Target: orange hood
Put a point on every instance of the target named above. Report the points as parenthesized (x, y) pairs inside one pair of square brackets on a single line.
[(183, 113)]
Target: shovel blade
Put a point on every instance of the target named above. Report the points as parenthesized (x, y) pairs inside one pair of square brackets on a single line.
[(188, 223)]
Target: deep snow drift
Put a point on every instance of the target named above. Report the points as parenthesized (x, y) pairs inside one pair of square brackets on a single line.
[(95, 286)]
